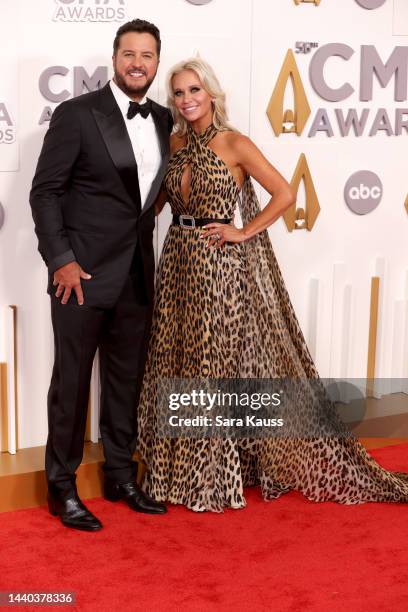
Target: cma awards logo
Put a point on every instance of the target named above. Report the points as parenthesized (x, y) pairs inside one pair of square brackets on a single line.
[(89, 10), (302, 216), (293, 120), (7, 128), (53, 86)]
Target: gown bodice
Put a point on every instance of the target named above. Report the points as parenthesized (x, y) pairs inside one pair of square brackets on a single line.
[(213, 190)]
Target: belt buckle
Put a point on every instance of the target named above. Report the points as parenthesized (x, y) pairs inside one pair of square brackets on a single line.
[(183, 218)]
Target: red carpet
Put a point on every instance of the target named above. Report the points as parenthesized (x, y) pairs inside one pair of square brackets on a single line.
[(285, 555)]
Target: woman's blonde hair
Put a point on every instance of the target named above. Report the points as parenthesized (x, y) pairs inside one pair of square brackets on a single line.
[(211, 85)]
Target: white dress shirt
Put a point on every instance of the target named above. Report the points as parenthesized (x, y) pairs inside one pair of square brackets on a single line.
[(144, 139)]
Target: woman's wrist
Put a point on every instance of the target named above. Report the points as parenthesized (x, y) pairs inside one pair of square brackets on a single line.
[(246, 233)]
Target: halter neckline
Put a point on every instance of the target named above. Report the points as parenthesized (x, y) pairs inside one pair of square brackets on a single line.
[(204, 137)]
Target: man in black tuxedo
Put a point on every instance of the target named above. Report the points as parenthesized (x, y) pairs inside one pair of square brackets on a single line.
[(98, 175)]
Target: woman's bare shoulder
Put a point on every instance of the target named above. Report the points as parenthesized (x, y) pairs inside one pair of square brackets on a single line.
[(238, 145), (235, 139)]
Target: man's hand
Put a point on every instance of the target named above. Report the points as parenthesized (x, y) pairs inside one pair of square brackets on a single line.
[(68, 278)]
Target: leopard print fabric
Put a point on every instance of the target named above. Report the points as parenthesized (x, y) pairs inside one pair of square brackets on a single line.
[(226, 313)]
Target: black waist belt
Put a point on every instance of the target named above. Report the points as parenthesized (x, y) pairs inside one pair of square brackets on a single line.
[(189, 221)]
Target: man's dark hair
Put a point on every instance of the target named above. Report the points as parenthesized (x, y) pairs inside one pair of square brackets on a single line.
[(140, 26)]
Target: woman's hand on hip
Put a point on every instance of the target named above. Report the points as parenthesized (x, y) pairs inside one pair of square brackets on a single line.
[(218, 234)]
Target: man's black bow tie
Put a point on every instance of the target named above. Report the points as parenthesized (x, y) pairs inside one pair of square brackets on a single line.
[(135, 108)]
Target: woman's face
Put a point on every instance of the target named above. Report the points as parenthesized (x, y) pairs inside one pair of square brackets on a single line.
[(190, 97)]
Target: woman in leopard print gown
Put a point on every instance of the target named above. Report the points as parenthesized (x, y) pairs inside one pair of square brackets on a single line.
[(222, 311)]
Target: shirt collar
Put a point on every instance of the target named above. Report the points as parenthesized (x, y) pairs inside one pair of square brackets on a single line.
[(121, 98)]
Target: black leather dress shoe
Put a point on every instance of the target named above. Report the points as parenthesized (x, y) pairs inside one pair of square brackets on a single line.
[(135, 498), (73, 513)]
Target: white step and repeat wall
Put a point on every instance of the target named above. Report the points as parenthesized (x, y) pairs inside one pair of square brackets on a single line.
[(50, 47)]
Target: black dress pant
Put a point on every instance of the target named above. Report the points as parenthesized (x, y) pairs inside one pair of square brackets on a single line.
[(121, 335)]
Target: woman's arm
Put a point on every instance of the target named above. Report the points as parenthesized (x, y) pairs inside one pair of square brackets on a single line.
[(257, 166), (175, 143), (254, 163), (160, 201)]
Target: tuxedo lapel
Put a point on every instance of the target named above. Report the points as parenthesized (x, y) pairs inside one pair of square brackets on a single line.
[(160, 118), (115, 135)]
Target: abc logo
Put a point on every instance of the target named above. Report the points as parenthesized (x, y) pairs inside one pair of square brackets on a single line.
[(371, 4), (363, 192)]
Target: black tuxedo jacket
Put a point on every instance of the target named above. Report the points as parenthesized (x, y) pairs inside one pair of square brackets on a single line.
[(85, 197)]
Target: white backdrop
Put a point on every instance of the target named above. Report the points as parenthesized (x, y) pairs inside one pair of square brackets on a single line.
[(246, 41)]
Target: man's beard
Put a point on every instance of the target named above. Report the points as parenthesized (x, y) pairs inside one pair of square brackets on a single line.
[(132, 91)]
